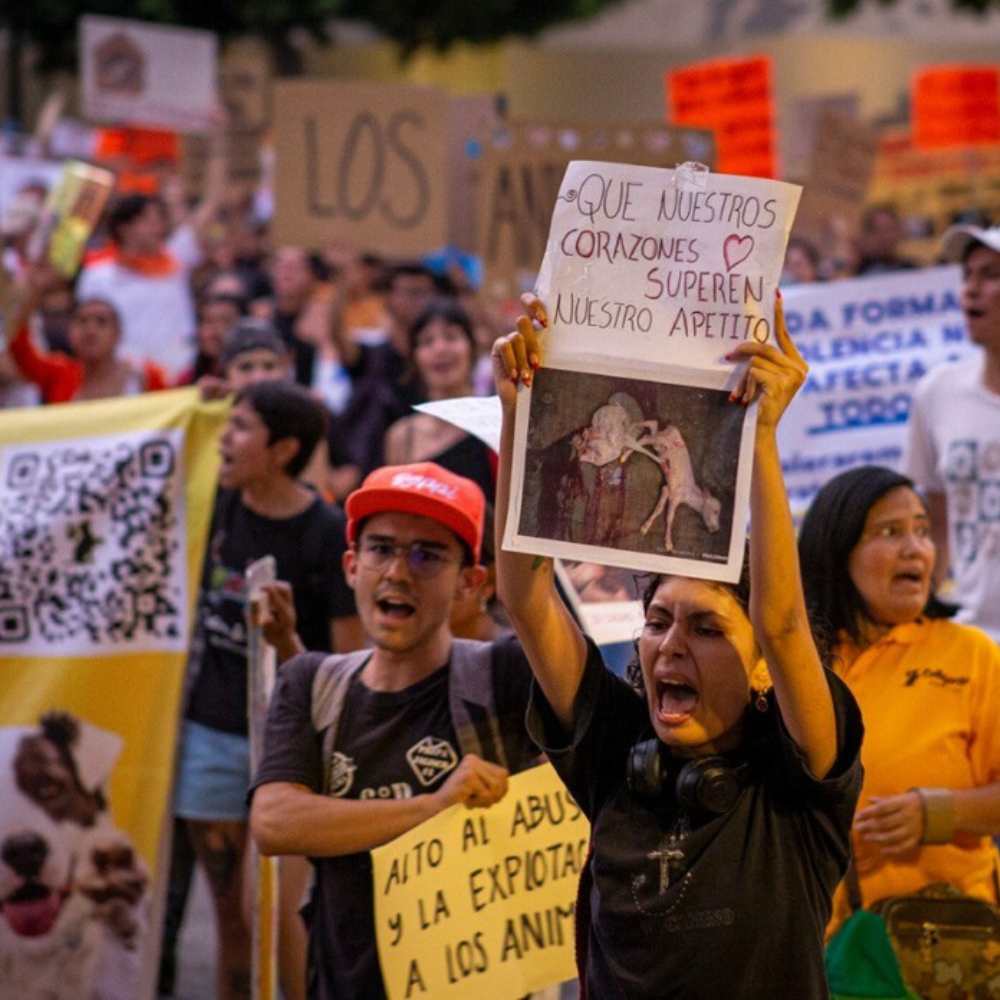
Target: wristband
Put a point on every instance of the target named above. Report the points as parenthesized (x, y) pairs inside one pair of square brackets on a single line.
[(939, 815)]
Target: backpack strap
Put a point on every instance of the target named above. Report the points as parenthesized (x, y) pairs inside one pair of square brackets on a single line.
[(329, 690), (853, 885), (472, 702)]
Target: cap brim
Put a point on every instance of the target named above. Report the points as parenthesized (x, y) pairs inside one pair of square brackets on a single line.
[(368, 502), (956, 241)]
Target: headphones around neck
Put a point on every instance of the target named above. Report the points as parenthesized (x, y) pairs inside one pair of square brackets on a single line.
[(709, 785)]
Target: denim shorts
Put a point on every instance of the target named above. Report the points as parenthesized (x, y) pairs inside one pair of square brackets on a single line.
[(213, 774)]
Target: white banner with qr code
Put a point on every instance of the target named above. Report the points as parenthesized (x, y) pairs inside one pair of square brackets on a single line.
[(93, 545)]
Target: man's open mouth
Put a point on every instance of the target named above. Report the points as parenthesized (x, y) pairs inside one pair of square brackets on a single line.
[(394, 607), (676, 699), (32, 910)]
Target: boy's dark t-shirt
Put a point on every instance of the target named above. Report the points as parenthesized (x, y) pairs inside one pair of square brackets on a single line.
[(700, 907), (389, 745), (307, 550)]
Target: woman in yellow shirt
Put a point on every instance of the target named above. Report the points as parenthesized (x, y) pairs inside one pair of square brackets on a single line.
[(929, 691)]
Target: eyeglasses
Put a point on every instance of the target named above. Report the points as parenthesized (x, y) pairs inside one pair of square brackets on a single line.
[(423, 561)]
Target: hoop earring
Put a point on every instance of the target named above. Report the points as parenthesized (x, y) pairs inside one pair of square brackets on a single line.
[(760, 702)]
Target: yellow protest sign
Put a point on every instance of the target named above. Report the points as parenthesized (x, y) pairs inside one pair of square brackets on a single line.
[(480, 902), (104, 511)]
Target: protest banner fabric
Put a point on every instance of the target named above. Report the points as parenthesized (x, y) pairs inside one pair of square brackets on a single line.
[(733, 97), (867, 342), (480, 902), (139, 73), (650, 278), (101, 539), (956, 106), (524, 166), (361, 163)]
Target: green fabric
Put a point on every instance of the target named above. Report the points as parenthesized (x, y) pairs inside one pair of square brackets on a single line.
[(860, 962)]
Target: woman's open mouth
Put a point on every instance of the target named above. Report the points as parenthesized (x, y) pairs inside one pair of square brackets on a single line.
[(676, 699)]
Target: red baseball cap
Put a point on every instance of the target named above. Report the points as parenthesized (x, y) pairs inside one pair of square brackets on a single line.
[(422, 488)]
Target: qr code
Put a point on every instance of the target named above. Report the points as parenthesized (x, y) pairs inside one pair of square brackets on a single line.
[(92, 545)]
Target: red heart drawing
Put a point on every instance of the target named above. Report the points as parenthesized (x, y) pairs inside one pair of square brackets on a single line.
[(736, 249)]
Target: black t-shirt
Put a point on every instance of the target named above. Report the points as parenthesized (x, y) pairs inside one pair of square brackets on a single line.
[(389, 745), (383, 363), (303, 352), (700, 908), (307, 550)]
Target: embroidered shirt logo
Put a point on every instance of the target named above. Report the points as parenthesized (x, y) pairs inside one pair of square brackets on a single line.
[(340, 775), (936, 677), (430, 758)]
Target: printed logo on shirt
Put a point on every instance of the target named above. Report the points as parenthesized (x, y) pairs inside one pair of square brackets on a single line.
[(938, 678), (430, 758), (340, 775)]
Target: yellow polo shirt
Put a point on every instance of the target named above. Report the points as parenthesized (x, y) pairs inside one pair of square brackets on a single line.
[(929, 693)]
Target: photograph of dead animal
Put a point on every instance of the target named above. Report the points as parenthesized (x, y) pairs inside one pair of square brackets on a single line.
[(625, 463)]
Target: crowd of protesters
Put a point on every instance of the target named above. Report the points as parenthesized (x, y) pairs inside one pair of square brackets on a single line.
[(324, 351)]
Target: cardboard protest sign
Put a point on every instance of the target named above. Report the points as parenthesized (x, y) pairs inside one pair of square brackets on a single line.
[(473, 123), (867, 341), (245, 88), (481, 902), (956, 106), (836, 187), (627, 449), (147, 74), (734, 98), (361, 163), (931, 187), (71, 213), (801, 121), (523, 168)]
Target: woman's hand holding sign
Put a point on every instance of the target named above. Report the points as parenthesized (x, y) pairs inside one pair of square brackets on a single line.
[(518, 354), (774, 374)]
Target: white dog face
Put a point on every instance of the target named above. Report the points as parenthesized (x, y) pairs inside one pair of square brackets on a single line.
[(36, 869)]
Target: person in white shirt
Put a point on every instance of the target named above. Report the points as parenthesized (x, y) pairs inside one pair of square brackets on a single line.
[(145, 273), (953, 448)]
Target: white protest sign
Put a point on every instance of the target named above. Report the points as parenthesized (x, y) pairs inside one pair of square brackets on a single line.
[(867, 341), (479, 416), (147, 74), (627, 449), (481, 902), (667, 266), (18, 174)]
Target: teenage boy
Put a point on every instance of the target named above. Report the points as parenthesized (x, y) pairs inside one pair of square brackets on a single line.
[(953, 451), (362, 748), (261, 509)]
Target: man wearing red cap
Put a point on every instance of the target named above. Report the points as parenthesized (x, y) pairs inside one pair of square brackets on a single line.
[(363, 747), (953, 451)]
